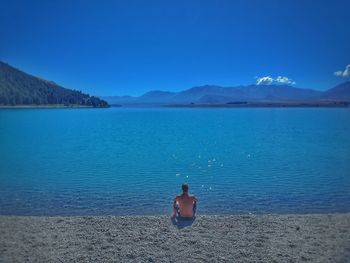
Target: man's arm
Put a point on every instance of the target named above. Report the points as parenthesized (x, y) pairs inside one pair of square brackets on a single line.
[(194, 205), (174, 208), (194, 199)]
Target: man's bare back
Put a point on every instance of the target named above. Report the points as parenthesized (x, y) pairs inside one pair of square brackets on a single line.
[(184, 204)]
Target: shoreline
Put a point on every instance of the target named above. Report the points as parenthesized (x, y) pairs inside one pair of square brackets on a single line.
[(331, 104), (210, 238), (238, 104), (242, 104)]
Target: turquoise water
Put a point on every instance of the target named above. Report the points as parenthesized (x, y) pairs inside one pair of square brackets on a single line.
[(132, 161)]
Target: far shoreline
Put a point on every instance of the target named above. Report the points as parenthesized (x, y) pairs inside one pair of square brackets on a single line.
[(243, 104), (238, 104), (333, 104)]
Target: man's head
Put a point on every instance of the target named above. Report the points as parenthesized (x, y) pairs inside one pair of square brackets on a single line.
[(184, 188)]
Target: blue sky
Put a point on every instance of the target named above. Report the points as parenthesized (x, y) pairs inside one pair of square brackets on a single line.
[(129, 47)]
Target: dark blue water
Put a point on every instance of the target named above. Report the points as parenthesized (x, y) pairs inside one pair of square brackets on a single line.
[(132, 161)]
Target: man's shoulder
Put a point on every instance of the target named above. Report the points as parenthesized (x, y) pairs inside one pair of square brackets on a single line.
[(193, 197), (182, 196)]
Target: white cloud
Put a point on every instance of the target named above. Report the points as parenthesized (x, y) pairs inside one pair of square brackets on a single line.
[(346, 72), (284, 80), (338, 73), (343, 73), (264, 80), (268, 80)]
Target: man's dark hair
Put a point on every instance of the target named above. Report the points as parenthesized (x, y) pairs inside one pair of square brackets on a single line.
[(184, 188)]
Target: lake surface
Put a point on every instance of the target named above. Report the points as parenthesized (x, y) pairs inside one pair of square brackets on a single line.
[(122, 161)]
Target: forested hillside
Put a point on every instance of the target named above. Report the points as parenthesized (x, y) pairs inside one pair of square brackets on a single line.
[(19, 88)]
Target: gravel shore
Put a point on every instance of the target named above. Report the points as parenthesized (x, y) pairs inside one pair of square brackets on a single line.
[(237, 238)]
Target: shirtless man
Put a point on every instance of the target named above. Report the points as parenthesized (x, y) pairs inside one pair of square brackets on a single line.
[(184, 204)]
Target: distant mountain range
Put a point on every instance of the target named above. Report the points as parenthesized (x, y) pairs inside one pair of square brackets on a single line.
[(212, 94), (18, 88)]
